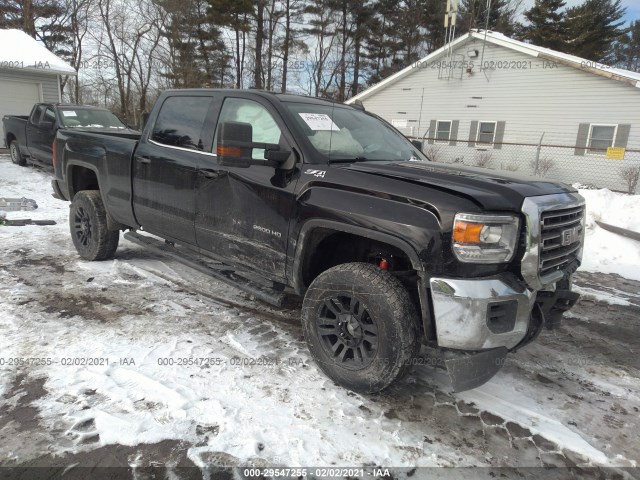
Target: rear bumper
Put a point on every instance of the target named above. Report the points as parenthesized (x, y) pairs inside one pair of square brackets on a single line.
[(483, 313)]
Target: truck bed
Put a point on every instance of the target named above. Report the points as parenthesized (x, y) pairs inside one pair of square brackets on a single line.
[(108, 155)]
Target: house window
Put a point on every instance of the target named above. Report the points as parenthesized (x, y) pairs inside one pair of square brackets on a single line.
[(600, 138), (443, 131), (486, 132)]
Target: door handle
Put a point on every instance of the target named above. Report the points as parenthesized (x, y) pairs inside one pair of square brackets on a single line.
[(207, 173), (144, 160)]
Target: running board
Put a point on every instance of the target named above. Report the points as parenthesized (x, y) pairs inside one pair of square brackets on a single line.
[(217, 270)]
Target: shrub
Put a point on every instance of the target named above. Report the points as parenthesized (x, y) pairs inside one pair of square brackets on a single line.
[(631, 175)]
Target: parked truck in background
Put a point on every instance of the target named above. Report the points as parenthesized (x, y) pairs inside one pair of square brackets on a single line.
[(302, 196), (31, 136)]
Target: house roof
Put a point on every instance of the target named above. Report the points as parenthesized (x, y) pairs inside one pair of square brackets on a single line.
[(626, 76), (19, 51)]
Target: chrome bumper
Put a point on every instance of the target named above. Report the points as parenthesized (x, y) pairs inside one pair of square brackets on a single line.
[(481, 313)]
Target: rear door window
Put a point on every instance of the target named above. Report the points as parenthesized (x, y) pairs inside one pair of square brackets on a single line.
[(49, 115), (37, 113), (181, 123)]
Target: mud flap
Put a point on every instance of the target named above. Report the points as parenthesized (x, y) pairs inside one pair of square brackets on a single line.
[(468, 370)]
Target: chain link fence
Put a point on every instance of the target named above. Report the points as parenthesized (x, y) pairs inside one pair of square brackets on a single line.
[(544, 157)]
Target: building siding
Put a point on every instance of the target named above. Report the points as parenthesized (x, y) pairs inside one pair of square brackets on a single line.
[(545, 97), (49, 83)]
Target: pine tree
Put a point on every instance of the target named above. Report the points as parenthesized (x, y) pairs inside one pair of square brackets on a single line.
[(434, 11), (198, 57), (593, 28), (547, 26), (473, 14), (234, 14), (627, 49)]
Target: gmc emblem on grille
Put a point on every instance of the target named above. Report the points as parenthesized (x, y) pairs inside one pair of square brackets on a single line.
[(570, 235)]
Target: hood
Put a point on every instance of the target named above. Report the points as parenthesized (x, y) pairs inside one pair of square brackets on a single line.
[(491, 189)]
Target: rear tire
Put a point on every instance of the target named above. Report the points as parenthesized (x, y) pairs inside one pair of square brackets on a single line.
[(16, 156), (361, 326), (88, 225)]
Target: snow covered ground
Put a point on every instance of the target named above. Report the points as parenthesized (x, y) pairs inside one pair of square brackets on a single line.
[(166, 353), (608, 252)]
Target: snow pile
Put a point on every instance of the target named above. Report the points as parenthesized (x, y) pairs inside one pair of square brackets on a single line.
[(608, 252)]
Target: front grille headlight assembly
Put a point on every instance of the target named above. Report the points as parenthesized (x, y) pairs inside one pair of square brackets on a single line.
[(485, 238)]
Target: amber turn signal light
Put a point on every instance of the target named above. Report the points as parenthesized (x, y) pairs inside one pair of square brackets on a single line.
[(229, 151), (465, 232)]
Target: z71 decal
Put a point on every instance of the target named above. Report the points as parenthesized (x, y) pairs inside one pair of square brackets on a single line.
[(315, 173)]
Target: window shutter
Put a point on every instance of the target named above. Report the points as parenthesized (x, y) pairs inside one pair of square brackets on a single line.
[(453, 137), (473, 131), (499, 136), (622, 136), (432, 131), (581, 140)]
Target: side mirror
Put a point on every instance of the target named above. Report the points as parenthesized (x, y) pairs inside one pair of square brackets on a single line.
[(234, 144), (47, 125), (417, 144), (235, 147)]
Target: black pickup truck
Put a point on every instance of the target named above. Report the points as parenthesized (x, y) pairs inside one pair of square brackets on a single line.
[(32, 136), (290, 195)]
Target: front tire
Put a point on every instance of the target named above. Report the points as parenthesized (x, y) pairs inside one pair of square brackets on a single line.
[(361, 326), (16, 156), (88, 225)]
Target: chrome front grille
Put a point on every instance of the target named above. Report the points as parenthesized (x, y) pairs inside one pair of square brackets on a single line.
[(549, 220), (560, 238)]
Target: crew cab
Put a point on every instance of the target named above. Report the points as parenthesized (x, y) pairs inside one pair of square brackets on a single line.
[(31, 136), (291, 195)]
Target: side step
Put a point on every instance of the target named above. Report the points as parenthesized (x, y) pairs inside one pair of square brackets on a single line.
[(219, 271)]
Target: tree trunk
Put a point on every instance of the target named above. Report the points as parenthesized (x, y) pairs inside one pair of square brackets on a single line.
[(343, 55), (356, 63), (257, 73), (28, 20), (285, 50), (238, 61)]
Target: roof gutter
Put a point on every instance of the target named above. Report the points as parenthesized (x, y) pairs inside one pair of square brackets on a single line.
[(594, 70)]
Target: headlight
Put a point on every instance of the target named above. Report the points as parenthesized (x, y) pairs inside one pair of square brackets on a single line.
[(485, 238)]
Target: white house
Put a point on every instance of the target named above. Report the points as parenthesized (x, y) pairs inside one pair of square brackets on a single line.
[(527, 108), (29, 73)]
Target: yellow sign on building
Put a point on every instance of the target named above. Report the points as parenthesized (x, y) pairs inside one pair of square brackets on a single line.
[(615, 153)]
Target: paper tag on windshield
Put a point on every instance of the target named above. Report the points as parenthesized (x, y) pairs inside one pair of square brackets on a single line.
[(319, 121), (69, 113)]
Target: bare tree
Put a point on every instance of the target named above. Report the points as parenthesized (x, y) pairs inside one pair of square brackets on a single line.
[(483, 159), (543, 165), (631, 175)]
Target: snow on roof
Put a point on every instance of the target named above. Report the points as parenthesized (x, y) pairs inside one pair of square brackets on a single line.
[(20, 51), (619, 74)]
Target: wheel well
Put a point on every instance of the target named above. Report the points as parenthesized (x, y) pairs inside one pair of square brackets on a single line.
[(326, 248), (82, 178), (10, 138)]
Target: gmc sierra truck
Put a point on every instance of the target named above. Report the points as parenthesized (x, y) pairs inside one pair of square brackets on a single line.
[(31, 136), (290, 195)]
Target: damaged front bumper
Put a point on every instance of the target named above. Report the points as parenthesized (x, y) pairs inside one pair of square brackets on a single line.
[(478, 321)]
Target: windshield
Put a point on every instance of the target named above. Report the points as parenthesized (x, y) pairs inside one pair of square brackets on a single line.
[(346, 134), (89, 117)]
